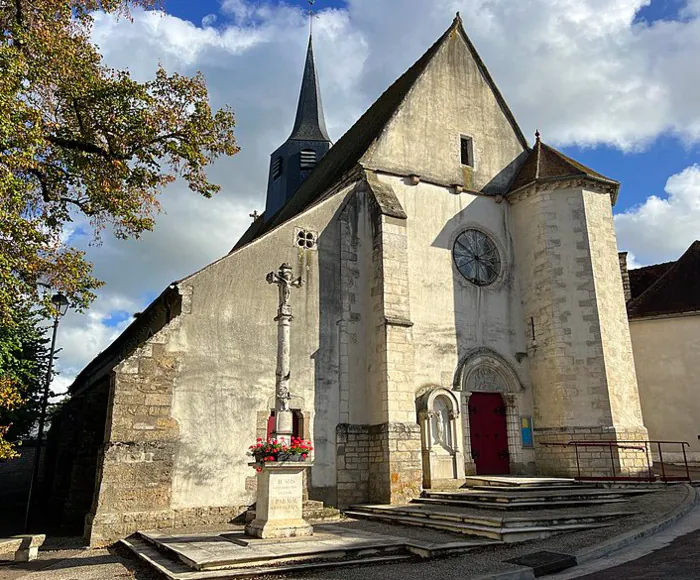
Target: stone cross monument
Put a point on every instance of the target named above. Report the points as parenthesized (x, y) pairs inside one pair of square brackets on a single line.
[(283, 416), (280, 486)]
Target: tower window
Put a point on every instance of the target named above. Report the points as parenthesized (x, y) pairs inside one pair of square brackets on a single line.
[(277, 168), (308, 159), (467, 151)]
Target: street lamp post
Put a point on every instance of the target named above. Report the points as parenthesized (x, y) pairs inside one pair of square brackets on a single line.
[(60, 303)]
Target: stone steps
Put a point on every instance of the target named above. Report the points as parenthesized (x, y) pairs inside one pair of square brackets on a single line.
[(524, 489), (226, 552), (517, 482), (176, 570), (495, 528), (521, 505), (513, 498)]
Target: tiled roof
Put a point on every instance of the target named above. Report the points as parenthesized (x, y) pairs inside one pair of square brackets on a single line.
[(675, 291), (545, 162), (642, 278)]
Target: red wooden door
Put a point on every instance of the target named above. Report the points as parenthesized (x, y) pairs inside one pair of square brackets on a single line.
[(489, 434)]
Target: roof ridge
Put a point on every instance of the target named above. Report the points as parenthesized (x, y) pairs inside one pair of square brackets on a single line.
[(652, 266)]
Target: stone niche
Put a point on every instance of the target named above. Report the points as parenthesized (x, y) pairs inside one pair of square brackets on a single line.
[(441, 438)]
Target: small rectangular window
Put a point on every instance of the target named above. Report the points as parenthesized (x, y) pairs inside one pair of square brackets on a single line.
[(467, 151)]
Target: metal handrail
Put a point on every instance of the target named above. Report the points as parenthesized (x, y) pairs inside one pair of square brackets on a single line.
[(633, 444)]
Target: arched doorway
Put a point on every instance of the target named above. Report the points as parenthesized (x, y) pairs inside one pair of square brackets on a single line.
[(489, 433)]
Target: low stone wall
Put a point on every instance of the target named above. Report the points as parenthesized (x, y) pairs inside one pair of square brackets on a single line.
[(353, 464), (106, 528), (557, 460), (396, 471), (378, 463)]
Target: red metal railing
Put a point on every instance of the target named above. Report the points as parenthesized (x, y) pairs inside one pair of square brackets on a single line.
[(633, 445)]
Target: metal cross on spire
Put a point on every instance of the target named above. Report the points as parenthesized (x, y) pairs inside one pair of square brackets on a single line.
[(311, 12)]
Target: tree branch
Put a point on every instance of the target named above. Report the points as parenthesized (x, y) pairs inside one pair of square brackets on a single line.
[(84, 147)]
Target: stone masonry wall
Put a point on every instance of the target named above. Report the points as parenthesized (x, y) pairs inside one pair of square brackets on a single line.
[(353, 461), (627, 459), (570, 280), (621, 377), (624, 271), (134, 485), (398, 476), (72, 457)]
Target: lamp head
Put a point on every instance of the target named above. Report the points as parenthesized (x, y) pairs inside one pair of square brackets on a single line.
[(60, 303)]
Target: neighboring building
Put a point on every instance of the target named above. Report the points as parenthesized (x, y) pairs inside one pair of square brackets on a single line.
[(462, 306), (664, 313)]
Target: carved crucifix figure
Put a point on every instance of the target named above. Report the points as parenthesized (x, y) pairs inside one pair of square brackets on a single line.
[(285, 282)]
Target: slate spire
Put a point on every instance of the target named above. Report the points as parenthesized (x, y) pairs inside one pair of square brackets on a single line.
[(310, 124), (307, 144)]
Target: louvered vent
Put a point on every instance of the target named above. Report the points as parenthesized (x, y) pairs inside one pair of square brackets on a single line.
[(277, 168), (308, 159)]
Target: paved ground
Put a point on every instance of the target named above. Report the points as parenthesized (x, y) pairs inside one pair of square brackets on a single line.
[(673, 553), (66, 560), (678, 561)]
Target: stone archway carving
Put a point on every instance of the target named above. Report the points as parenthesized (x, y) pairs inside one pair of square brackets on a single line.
[(441, 438), (484, 370)]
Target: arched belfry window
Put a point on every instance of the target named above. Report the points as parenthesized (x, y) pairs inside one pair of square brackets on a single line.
[(277, 168), (308, 159)]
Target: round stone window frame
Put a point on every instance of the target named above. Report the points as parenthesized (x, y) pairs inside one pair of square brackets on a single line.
[(502, 255)]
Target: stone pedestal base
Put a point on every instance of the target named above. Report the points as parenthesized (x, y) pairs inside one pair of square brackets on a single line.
[(278, 511)]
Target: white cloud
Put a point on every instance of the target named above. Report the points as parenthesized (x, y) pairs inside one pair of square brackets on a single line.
[(583, 71), (209, 20), (661, 229)]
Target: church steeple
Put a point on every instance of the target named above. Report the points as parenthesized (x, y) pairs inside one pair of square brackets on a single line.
[(310, 124), (308, 142)]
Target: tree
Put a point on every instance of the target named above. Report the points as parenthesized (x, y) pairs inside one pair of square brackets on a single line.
[(81, 141), (78, 139), (23, 367)]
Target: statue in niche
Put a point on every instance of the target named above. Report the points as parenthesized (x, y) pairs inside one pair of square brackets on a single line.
[(440, 417)]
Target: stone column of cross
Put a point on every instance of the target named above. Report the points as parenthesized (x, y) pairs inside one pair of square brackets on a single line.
[(285, 281)]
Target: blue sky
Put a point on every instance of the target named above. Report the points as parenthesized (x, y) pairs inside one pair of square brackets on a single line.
[(612, 83)]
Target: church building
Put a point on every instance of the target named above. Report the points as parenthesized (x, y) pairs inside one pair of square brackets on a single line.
[(461, 310)]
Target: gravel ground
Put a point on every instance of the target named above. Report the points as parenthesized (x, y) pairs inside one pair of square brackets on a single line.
[(64, 559)]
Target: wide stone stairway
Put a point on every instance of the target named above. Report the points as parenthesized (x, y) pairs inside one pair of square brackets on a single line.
[(509, 509), (486, 512)]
